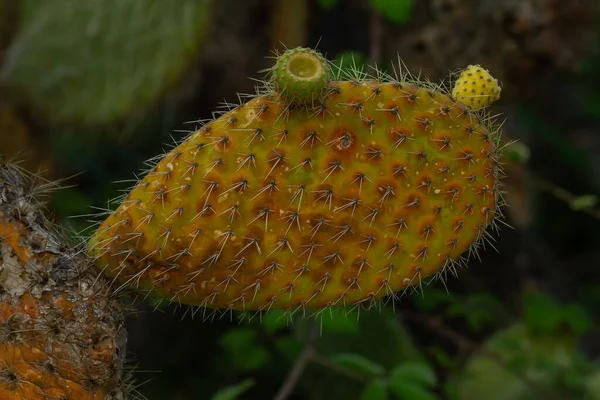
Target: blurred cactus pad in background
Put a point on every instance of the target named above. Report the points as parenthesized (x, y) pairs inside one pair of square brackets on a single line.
[(234, 211), (94, 62)]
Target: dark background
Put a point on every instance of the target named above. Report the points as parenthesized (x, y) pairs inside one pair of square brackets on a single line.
[(89, 90)]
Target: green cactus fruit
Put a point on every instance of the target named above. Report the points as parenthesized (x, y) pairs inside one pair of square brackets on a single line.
[(380, 185), (97, 62), (300, 75)]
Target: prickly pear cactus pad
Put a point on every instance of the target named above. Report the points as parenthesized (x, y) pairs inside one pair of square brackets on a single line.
[(379, 184), (96, 62)]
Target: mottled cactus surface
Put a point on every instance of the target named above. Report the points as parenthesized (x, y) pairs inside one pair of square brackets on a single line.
[(61, 336), (371, 188)]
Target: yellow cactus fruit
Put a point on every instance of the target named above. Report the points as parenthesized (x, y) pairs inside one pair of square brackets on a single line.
[(476, 88)]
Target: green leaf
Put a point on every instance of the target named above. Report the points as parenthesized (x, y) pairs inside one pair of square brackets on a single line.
[(398, 11), (592, 385), (416, 373), (577, 318), (543, 358), (442, 357), (339, 320), (517, 152), (233, 392), (479, 310), (375, 390), (327, 4), (411, 391), (237, 339), (542, 313), (359, 364), (274, 321), (254, 358), (584, 202), (289, 347), (381, 337), (436, 300), (244, 350)]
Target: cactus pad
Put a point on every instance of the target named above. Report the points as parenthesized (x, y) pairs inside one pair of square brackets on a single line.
[(476, 88), (96, 62), (378, 186), (61, 336)]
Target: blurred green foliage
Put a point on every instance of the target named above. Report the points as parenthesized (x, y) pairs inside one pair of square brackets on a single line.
[(398, 11), (526, 366), (516, 152), (358, 364), (244, 350), (521, 361), (328, 4), (544, 314), (413, 381), (234, 391)]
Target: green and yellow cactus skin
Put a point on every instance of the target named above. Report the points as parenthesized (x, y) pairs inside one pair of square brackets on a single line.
[(377, 186)]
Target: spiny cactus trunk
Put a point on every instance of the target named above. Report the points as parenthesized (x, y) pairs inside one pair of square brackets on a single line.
[(61, 335), (318, 192)]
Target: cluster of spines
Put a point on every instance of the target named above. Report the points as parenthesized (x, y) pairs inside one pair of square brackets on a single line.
[(299, 192)]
